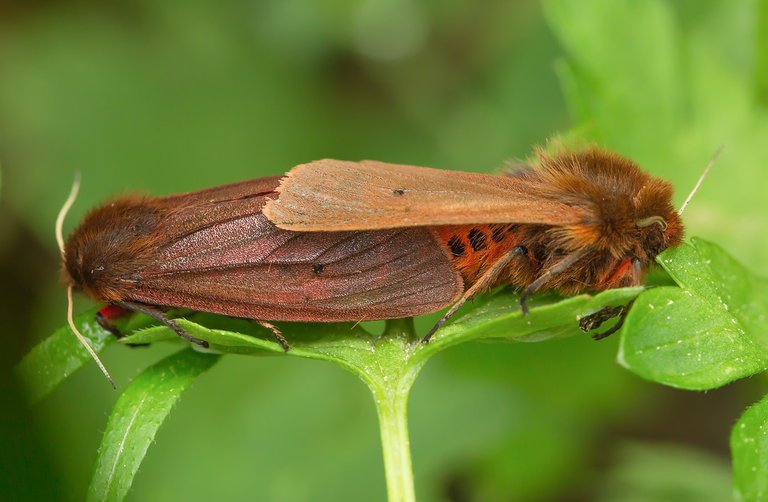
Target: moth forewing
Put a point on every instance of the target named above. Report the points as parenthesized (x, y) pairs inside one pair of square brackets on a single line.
[(332, 195)]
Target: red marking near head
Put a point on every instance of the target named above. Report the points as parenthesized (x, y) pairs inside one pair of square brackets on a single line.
[(622, 275), (112, 312)]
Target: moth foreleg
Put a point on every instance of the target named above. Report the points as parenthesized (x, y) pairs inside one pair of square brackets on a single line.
[(555, 269), (594, 321), (486, 281)]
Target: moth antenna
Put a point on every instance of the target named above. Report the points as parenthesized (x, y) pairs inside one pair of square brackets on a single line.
[(701, 178), (64, 210), (60, 240), (83, 341)]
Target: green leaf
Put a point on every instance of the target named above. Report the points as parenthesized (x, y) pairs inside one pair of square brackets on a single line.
[(749, 448), (500, 319), (495, 318), (711, 330), (389, 363), (57, 357), (138, 414)]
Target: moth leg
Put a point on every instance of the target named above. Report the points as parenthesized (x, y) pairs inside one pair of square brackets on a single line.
[(158, 315), (485, 281), (275, 332), (593, 321), (555, 269), (105, 317)]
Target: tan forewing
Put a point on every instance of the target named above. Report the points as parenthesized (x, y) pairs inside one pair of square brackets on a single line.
[(334, 195)]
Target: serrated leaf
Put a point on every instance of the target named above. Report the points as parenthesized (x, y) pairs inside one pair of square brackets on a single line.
[(711, 330), (136, 417), (749, 448), (57, 357)]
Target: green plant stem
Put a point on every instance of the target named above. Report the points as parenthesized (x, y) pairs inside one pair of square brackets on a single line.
[(392, 410), (391, 385)]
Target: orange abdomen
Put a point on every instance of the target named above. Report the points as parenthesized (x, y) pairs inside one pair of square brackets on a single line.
[(474, 248)]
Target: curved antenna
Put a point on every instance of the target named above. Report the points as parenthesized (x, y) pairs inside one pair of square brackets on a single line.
[(701, 178), (83, 341), (64, 210), (60, 240)]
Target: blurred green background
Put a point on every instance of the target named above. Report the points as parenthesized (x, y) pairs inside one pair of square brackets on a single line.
[(163, 97)]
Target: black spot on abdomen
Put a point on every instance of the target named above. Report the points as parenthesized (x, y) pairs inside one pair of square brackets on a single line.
[(477, 239), (457, 247)]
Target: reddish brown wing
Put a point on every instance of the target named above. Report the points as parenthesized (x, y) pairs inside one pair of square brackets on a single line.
[(333, 195), (256, 270)]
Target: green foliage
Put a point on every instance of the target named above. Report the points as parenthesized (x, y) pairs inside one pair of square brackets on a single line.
[(61, 354), (706, 333), (749, 445), (138, 414), (388, 364)]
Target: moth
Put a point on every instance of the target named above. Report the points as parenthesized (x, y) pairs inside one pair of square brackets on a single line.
[(351, 241)]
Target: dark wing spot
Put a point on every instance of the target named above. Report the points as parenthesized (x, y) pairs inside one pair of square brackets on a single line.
[(398, 191), (477, 239), (457, 247), (317, 268)]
